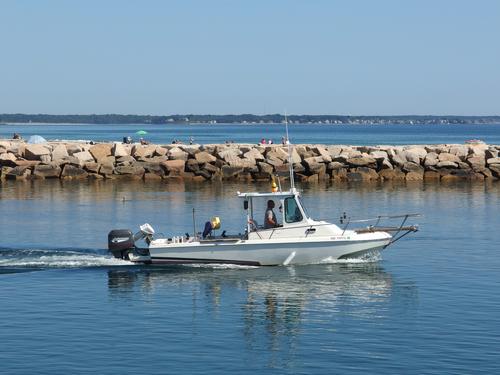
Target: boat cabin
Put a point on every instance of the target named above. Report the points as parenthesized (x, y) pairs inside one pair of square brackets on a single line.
[(288, 209)]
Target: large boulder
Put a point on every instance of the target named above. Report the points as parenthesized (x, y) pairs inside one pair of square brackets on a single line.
[(83, 156), (47, 171), (119, 149), (130, 170), (493, 161), (101, 151), (73, 148), (229, 172), (7, 159), (91, 167), (174, 167), (35, 151), (18, 173), (431, 159), (362, 161), (204, 157), (446, 156), (323, 152), (59, 152), (412, 167), (277, 153), (379, 155), (125, 160), (72, 172), (106, 169), (265, 168), (495, 170), (477, 163), (254, 154), (143, 151), (461, 151), (447, 164), (160, 151), (177, 154)]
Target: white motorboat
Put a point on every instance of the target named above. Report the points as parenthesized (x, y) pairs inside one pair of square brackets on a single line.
[(299, 239)]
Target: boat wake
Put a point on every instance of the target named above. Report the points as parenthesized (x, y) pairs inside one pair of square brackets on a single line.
[(221, 266), (370, 257), (63, 258)]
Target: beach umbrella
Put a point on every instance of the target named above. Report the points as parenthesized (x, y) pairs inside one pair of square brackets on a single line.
[(36, 139), (141, 132)]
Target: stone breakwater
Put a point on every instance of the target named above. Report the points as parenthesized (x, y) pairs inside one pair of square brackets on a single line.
[(79, 160)]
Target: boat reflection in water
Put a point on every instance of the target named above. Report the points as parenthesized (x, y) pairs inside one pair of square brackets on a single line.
[(279, 303)]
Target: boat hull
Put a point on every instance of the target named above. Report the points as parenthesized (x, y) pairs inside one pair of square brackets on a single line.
[(270, 253)]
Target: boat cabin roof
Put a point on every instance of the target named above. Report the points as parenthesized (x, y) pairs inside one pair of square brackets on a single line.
[(289, 193)]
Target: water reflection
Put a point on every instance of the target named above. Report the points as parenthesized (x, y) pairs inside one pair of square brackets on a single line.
[(271, 304)]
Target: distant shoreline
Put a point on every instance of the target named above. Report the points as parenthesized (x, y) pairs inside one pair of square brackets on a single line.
[(244, 119)]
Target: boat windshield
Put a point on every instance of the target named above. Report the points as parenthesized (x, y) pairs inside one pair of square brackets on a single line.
[(292, 211), (303, 207)]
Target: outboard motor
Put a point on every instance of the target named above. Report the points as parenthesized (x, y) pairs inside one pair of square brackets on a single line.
[(121, 242)]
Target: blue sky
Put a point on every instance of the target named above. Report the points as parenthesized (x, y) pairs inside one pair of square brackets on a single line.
[(229, 56)]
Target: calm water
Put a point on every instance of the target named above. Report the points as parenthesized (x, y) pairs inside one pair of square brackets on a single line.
[(430, 305), (310, 133)]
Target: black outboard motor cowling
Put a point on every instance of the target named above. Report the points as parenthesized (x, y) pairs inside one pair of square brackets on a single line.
[(120, 242)]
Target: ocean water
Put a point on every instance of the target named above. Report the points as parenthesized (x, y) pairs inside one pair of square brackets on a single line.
[(240, 133), (428, 305)]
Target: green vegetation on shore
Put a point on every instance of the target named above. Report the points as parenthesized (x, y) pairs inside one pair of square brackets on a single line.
[(243, 119)]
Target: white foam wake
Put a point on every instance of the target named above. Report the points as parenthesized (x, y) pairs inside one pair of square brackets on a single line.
[(65, 260), (221, 266), (371, 257)]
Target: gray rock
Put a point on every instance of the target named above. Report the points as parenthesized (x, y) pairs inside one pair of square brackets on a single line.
[(477, 163), (125, 160), (119, 150), (493, 161), (133, 170), (59, 152), (495, 170), (177, 154), (91, 167), (335, 165), (160, 151), (73, 148), (379, 155), (106, 169), (254, 154), (83, 156), (204, 157), (35, 151), (229, 172), (412, 167), (362, 161), (18, 173), (7, 159), (47, 171), (491, 153), (265, 168), (143, 151), (174, 167), (445, 156), (461, 151), (72, 172), (101, 151), (447, 164)]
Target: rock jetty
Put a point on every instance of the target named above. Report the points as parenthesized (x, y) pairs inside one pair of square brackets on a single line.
[(246, 162)]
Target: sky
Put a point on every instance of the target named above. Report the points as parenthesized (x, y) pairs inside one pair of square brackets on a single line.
[(352, 57)]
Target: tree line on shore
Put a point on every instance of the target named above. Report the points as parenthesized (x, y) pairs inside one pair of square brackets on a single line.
[(242, 118)]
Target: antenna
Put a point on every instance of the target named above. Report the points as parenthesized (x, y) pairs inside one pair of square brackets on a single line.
[(290, 164)]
